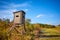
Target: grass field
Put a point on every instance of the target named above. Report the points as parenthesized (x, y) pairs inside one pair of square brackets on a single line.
[(49, 31), (50, 38)]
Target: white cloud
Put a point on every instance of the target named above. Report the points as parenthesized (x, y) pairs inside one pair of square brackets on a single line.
[(19, 5), (7, 14), (45, 16), (14, 10), (26, 10), (14, 5), (7, 11), (40, 15)]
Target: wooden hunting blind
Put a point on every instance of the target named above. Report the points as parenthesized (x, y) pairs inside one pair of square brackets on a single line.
[(19, 17), (18, 28)]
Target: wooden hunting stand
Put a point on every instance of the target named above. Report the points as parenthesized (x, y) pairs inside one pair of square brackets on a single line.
[(19, 18), (18, 21)]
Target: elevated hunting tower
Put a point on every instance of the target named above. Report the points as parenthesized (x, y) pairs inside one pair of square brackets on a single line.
[(19, 17), (19, 25)]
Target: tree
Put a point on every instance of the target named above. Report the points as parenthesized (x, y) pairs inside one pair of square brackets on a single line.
[(58, 25), (29, 26), (7, 20), (27, 21)]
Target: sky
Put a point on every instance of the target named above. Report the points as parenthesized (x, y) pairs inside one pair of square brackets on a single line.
[(39, 11)]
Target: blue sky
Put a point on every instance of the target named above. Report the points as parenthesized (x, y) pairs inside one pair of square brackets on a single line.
[(39, 11)]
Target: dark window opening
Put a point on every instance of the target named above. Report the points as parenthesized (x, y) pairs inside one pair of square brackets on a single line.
[(17, 16)]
